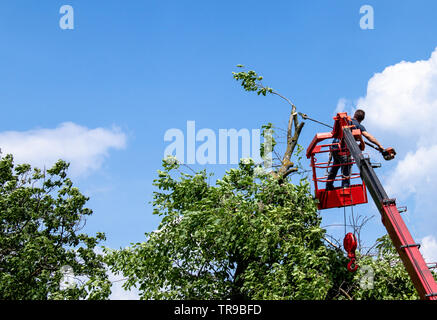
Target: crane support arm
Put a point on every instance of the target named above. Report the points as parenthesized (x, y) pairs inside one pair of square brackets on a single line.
[(408, 250)]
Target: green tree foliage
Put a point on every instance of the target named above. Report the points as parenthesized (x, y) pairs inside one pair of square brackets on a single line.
[(390, 279), (250, 235), (252, 82), (41, 215), (244, 237)]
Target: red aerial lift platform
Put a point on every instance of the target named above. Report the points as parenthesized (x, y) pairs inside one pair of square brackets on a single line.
[(404, 243)]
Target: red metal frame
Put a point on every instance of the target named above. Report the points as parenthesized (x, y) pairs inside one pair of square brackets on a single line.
[(338, 197), (408, 250)]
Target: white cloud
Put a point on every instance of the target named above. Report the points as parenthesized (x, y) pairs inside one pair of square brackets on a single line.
[(118, 292), (403, 99), (84, 148), (415, 173), (428, 248), (400, 106), (343, 105), (117, 281)]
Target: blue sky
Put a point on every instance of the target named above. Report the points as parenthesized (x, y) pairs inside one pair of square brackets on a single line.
[(139, 68)]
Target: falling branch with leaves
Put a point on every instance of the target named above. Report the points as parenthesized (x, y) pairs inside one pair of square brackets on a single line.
[(251, 81)]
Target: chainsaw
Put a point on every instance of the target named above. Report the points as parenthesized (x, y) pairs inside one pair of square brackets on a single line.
[(388, 154)]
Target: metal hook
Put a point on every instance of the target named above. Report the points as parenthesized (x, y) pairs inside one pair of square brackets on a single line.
[(352, 266), (350, 245)]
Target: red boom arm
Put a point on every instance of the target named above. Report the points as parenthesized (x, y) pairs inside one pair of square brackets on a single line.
[(408, 250)]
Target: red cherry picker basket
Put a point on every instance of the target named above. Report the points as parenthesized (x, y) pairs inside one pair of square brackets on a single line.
[(354, 194)]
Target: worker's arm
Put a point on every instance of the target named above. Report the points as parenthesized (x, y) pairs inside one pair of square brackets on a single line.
[(372, 139)]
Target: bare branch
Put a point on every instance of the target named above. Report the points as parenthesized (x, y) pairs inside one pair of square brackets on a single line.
[(332, 244), (251, 81), (346, 294)]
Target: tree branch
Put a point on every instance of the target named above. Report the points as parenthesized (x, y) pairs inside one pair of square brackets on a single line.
[(346, 294), (251, 81)]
